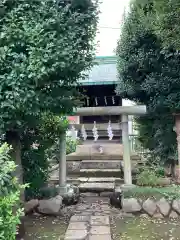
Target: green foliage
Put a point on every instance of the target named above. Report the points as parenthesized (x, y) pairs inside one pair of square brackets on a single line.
[(52, 153), (36, 145), (150, 174), (10, 211), (147, 178), (149, 75), (35, 168), (166, 22), (45, 48), (48, 192), (169, 193), (71, 145), (159, 171)]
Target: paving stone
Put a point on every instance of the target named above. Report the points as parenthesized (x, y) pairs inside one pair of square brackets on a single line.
[(80, 218), (85, 213), (82, 207), (100, 237), (77, 226), (100, 214), (93, 210), (93, 200), (76, 235), (99, 221), (105, 207), (107, 212), (101, 230)]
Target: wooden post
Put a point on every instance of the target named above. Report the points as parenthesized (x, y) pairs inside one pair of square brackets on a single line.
[(126, 151), (62, 164)]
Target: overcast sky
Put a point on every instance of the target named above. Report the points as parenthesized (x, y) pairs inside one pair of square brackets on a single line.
[(111, 17)]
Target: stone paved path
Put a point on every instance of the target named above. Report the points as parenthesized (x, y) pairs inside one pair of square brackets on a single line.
[(90, 221)]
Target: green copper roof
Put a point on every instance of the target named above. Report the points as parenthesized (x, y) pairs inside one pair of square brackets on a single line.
[(104, 72)]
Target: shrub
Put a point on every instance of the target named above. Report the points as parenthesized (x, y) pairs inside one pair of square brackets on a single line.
[(48, 192), (160, 172), (147, 177), (169, 193), (52, 153), (71, 145), (10, 210), (35, 167)]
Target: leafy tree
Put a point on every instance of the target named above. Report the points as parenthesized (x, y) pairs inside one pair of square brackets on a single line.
[(35, 143), (166, 22), (45, 47), (149, 75)]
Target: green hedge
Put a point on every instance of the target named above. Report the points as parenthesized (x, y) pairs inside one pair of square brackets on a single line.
[(169, 193)]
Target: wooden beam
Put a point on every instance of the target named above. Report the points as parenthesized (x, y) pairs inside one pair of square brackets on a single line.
[(117, 110)]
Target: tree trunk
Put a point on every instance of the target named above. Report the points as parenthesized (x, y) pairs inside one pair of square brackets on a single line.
[(173, 169), (177, 129), (13, 139)]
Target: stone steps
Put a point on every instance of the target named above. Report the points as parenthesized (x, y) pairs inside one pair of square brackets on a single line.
[(94, 171), (77, 170), (100, 173), (101, 164), (98, 187), (80, 180)]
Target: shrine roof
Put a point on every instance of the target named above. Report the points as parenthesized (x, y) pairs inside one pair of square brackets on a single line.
[(104, 72)]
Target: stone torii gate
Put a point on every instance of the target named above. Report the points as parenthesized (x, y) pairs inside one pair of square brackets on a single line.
[(93, 111)]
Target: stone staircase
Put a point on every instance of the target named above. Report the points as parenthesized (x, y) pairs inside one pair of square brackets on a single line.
[(96, 172)]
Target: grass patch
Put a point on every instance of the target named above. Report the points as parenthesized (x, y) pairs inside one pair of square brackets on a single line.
[(169, 193), (41, 227), (145, 229)]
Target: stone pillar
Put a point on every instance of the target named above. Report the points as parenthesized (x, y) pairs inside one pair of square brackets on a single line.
[(126, 151), (62, 164), (177, 129)]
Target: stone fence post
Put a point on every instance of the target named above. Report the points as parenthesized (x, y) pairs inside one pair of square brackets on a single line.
[(126, 151), (62, 163)]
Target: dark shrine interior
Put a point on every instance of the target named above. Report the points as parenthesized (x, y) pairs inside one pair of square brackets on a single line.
[(100, 96)]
